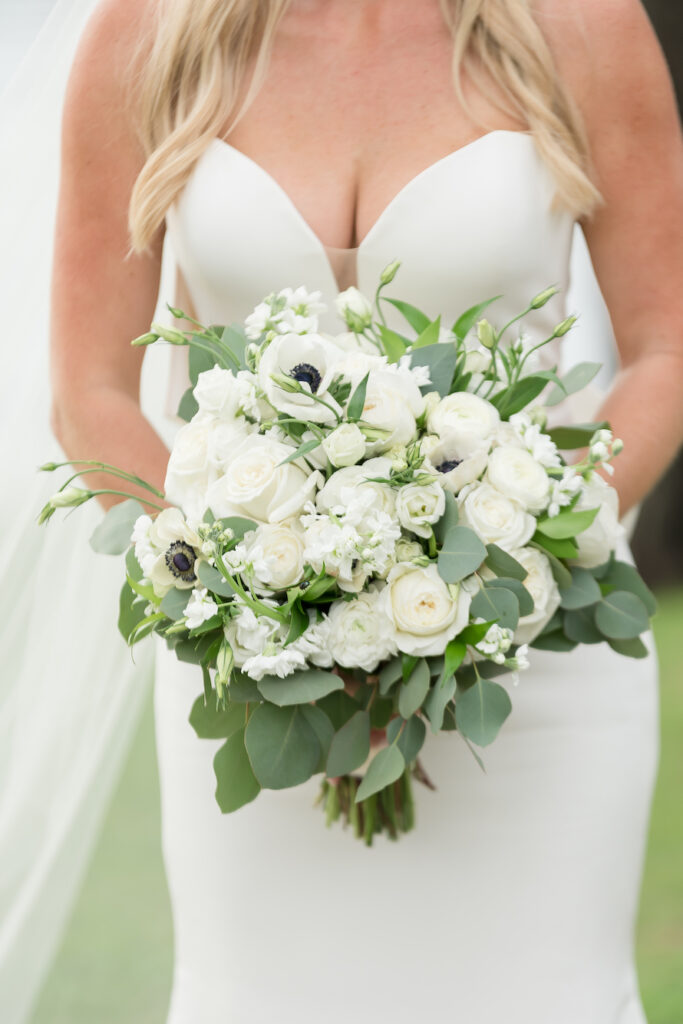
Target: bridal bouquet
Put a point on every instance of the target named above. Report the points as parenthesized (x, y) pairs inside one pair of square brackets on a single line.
[(367, 534)]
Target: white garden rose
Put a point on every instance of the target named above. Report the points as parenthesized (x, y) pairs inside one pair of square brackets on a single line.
[(596, 543), (455, 472), (309, 360), (219, 392), (345, 445), (275, 555), (188, 470), (392, 403), (361, 633), (516, 473), (541, 584), (257, 486), (223, 438), (425, 611), (496, 518), (341, 487), (465, 421), (420, 505)]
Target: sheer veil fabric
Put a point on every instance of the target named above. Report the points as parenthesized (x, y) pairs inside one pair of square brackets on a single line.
[(70, 694)]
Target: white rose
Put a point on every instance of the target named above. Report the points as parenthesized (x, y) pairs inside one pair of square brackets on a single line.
[(495, 518), (308, 359), (355, 365), (596, 543), (257, 486), (219, 393), (343, 484), (541, 584), (392, 403), (423, 609), (361, 633), (455, 473), (275, 553), (353, 307), (516, 473), (420, 505), (187, 473), (345, 445), (465, 421), (223, 439)]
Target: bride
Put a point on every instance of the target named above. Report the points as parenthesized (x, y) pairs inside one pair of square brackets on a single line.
[(313, 141)]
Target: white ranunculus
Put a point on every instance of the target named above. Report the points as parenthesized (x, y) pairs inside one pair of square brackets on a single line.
[(423, 609), (257, 486), (361, 633), (342, 485), (275, 553), (353, 307), (345, 445), (308, 359), (418, 506), (496, 518), (464, 421), (393, 401), (455, 473), (516, 473), (541, 584), (596, 543)]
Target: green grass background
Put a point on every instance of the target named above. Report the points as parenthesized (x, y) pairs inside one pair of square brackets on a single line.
[(115, 962)]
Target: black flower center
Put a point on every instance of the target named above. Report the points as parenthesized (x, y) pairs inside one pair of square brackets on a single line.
[(448, 465), (306, 374), (180, 559)]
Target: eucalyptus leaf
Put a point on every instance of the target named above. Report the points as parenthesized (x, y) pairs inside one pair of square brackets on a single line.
[(386, 767), (503, 564), (188, 407), (583, 590), (411, 738), (300, 687), (516, 397), (498, 604), (439, 696), (390, 674), (323, 729), (448, 519), (235, 340), (112, 535), (243, 689), (132, 610), (461, 554), (339, 708), (239, 525), (174, 603), (579, 625), (481, 711), (623, 576), (557, 548), (440, 359), (576, 379), (213, 581), (633, 648), (621, 615), (283, 747), (567, 524), (212, 723), (554, 641), (199, 361), (412, 693), (236, 784), (524, 598), (350, 746)]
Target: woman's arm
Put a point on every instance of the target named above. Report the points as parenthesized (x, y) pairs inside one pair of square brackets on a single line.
[(611, 59), (100, 300)]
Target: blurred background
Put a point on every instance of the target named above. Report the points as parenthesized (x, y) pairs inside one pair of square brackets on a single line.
[(115, 961)]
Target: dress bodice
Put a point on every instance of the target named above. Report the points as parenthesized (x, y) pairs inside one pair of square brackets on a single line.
[(477, 223)]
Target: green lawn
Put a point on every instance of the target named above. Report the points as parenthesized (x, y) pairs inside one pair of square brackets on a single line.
[(115, 962)]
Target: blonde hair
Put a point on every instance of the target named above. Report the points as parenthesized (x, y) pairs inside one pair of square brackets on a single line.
[(188, 86)]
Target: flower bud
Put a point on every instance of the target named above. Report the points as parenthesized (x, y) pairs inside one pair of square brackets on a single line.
[(170, 335), (354, 309), (617, 446), (70, 497), (48, 467), (145, 339), (389, 272), (289, 384), (545, 296), (486, 334), (565, 327)]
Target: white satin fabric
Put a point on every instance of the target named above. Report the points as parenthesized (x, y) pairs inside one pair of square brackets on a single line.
[(514, 899)]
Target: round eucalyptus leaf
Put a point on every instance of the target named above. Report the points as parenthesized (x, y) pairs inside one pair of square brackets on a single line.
[(503, 564), (412, 693), (299, 687), (634, 648), (623, 576), (526, 601), (579, 626), (412, 737), (461, 554), (621, 616), (496, 603), (283, 747), (583, 590), (112, 535), (236, 784), (350, 746), (386, 767), (554, 641), (211, 723), (481, 711), (323, 729)]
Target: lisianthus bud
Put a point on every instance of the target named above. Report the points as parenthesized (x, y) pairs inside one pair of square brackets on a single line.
[(70, 497), (565, 327), (543, 297), (354, 309), (486, 334), (145, 339), (170, 335), (389, 272)]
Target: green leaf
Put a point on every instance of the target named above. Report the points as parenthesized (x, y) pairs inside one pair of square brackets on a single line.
[(394, 344), (580, 627), (112, 535), (390, 674), (582, 591), (303, 449), (481, 711), (440, 359), (175, 602), (408, 663), (354, 409), (386, 767), (195, 650), (518, 395), (187, 407), (412, 693), (558, 548), (554, 641), (567, 524), (496, 603), (350, 746), (339, 707), (576, 379), (412, 737), (236, 783), (283, 747), (213, 581), (448, 519), (633, 648), (435, 705), (243, 689), (623, 576), (576, 436), (464, 324), (429, 336), (524, 598), (322, 727), (133, 567), (299, 687), (621, 615), (239, 526), (474, 633), (200, 361), (415, 317), (503, 564), (454, 655), (212, 723), (381, 710), (461, 554), (298, 625), (235, 340), (132, 610)]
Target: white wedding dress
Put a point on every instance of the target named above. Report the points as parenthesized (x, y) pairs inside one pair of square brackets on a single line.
[(513, 901)]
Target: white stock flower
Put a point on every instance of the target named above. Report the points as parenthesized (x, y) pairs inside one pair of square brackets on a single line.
[(307, 360), (601, 537), (426, 613), (562, 491), (465, 421), (314, 642), (200, 608), (496, 643), (345, 483), (361, 633), (353, 307), (540, 445), (274, 660), (290, 310), (257, 486), (393, 401), (544, 591), (257, 644), (420, 505), (516, 473), (494, 517), (345, 445), (274, 556)]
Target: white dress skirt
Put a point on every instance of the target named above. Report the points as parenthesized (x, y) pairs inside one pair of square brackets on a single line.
[(514, 899)]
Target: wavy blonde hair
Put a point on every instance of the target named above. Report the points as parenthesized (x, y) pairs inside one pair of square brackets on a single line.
[(188, 87)]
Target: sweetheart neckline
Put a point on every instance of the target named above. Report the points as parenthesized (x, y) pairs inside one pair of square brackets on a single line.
[(396, 198)]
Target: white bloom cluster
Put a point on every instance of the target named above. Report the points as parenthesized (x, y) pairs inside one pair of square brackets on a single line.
[(496, 643), (291, 310)]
